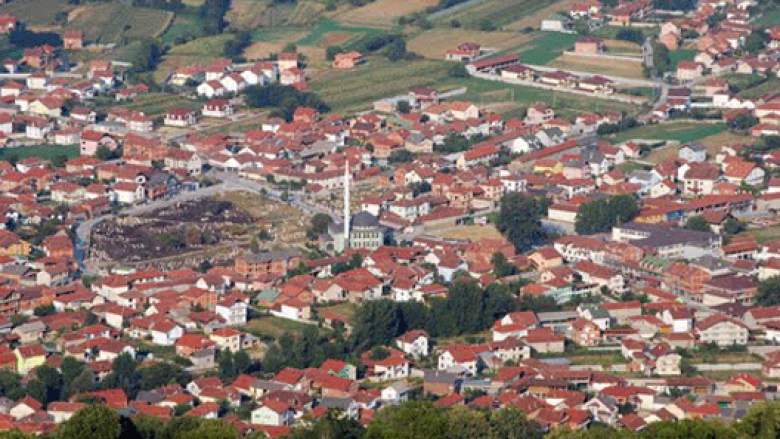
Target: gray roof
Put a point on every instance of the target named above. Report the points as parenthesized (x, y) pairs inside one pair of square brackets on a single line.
[(439, 376), (695, 146), (556, 316), (365, 220), (336, 403), (664, 236)]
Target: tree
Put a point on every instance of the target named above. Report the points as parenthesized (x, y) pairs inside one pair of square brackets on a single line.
[(501, 266), (94, 422), (11, 385), (332, 51), (519, 219), (768, 292), (661, 60), (71, 369), (320, 223), (44, 310), (330, 426), (400, 156), (242, 361), (733, 227), (47, 385), (403, 107), (458, 71), (511, 423), (600, 215), (124, 375), (411, 420), (467, 424), (698, 223), (633, 35), (226, 367), (161, 374)]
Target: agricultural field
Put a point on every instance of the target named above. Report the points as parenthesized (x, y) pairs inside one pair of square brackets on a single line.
[(433, 43), (155, 104), (498, 13), (535, 20), (46, 152), (107, 23), (201, 50), (325, 27), (484, 92), (306, 13), (683, 132), (620, 47), (36, 12), (602, 66), (261, 50), (771, 85), (183, 26), (385, 12), (473, 233), (545, 48), (379, 78)]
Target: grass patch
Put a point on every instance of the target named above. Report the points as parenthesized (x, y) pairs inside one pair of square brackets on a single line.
[(683, 132), (605, 358), (675, 56), (155, 104), (770, 16), (771, 85), (765, 233), (342, 309), (276, 326), (306, 13), (547, 47), (565, 104), (46, 152)]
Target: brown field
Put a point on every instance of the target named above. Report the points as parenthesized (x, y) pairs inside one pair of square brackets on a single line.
[(385, 11), (246, 14), (535, 20), (433, 43), (625, 69), (335, 38), (473, 233), (713, 144), (622, 47), (261, 50)]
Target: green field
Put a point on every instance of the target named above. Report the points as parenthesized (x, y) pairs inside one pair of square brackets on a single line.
[(380, 78), (546, 47), (325, 26), (675, 56), (36, 12), (496, 12), (108, 23), (771, 85), (154, 104), (276, 326), (482, 91), (769, 17), (46, 152), (683, 132)]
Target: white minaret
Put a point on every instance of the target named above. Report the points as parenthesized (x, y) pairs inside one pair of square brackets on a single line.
[(346, 204)]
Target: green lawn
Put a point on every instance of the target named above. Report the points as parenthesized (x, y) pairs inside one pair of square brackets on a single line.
[(771, 85), (547, 47), (275, 326), (676, 56), (46, 152), (683, 132)]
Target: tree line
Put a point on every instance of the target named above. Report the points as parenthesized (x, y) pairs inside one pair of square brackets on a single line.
[(412, 420)]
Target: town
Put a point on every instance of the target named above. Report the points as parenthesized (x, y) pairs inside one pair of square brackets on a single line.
[(305, 219)]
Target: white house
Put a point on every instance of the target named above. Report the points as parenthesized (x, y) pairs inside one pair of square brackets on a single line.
[(414, 343)]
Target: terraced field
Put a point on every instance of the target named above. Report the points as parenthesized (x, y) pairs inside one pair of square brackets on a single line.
[(36, 12), (385, 12), (108, 23)]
